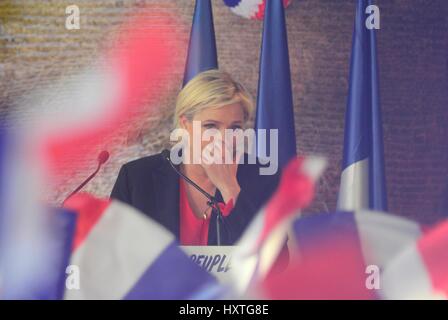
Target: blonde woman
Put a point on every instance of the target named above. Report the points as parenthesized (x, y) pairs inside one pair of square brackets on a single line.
[(216, 102)]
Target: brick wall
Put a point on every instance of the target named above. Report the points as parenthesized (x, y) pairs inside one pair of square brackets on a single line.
[(36, 51)]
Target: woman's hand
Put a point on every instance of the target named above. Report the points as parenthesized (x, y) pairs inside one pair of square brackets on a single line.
[(220, 173)]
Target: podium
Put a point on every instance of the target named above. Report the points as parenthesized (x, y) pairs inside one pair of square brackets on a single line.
[(217, 260)]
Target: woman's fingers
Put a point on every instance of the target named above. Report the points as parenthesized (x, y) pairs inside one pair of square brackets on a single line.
[(207, 157), (228, 153)]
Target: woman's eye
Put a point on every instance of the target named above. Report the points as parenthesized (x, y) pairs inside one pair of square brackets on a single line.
[(209, 125), (236, 127)]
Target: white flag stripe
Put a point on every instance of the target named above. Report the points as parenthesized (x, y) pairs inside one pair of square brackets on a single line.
[(245, 256), (273, 245), (383, 235), (354, 190), (247, 8), (407, 278), (117, 251), (77, 101)]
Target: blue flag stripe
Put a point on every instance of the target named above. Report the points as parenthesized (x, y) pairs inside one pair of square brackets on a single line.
[(275, 102), (202, 47), (363, 137), (172, 276)]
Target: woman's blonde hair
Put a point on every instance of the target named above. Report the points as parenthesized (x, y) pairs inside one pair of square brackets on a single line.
[(211, 89)]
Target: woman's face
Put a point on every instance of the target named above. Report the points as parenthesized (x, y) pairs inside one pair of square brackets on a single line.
[(230, 117)]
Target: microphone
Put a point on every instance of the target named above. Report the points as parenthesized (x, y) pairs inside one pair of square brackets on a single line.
[(102, 158), (166, 156), (212, 201)]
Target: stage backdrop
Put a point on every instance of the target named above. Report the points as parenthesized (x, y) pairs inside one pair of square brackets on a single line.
[(36, 50)]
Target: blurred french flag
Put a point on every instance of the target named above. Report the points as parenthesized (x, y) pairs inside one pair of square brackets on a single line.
[(63, 252), (421, 270), (122, 254), (363, 255), (260, 247), (97, 249), (33, 238)]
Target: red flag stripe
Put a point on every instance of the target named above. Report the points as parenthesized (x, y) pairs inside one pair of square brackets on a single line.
[(89, 210)]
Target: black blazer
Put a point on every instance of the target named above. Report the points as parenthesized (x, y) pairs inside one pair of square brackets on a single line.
[(151, 185)]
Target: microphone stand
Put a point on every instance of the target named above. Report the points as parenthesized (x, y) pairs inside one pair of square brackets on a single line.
[(212, 201), (103, 157)]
